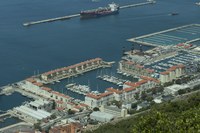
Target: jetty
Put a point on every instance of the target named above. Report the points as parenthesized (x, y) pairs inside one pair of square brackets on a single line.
[(51, 20), (138, 4), (171, 36), (15, 125), (77, 15)]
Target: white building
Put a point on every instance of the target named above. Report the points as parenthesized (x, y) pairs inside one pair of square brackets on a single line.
[(173, 89), (41, 104), (118, 94), (114, 110), (172, 73), (31, 115), (94, 100), (101, 116)]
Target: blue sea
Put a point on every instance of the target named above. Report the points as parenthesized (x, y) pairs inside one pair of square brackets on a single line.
[(40, 48)]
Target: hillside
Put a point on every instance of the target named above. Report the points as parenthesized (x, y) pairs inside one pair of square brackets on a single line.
[(178, 116)]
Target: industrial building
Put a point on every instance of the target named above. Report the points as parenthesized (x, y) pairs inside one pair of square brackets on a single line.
[(173, 89), (114, 110), (101, 116), (31, 115), (41, 104)]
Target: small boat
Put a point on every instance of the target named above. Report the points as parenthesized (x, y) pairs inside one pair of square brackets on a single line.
[(174, 13), (198, 3)]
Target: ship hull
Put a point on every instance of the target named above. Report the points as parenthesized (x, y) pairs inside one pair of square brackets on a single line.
[(96, 15)]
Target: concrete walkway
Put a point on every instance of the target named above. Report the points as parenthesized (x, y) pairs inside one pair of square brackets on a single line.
[(14, 125)]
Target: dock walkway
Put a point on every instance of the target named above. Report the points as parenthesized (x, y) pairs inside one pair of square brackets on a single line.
[(3, 115), (14, 125), (51, 20)]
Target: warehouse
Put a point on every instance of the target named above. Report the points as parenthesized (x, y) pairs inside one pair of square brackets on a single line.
[(31, 115)]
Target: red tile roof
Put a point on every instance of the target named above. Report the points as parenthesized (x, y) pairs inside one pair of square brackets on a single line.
[(150, 70), (139, 66), (70, 103), (129, 62), (105, 94), (47, 89), (173, 68), (164, 73), (59, 102), (180, 44), (114, 90), (69, 67), (77, 107), (30, 80), (60, 108), (129, 89), (83, 105), (60, 94), (38, 84), (150, 79), (141, 82), (93, 96), (180, 66), (131, 84)]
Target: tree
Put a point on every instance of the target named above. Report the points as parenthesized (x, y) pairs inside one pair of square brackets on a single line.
[(182, 91), (54, 105), (37, 126), (53, 116), (149, 98), (177, 117), (95, 109), (143, 95), (136, 96), (70, 112), (117, 103), (134, 105)]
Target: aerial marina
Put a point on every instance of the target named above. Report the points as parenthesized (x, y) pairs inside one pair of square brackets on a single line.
[(75, 91)]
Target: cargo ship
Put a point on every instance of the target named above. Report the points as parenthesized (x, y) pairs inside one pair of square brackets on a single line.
[(101, 11)]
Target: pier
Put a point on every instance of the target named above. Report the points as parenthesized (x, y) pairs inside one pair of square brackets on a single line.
[(77, 15), (51, 20), (138, 4), (3, 115), (6, 90), (183, 34), (15, 125)]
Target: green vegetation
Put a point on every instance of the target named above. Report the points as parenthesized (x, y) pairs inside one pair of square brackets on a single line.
[(117, 103), (177, 117), (37, 126), (70, 112), (95, 109), (54, 105)]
